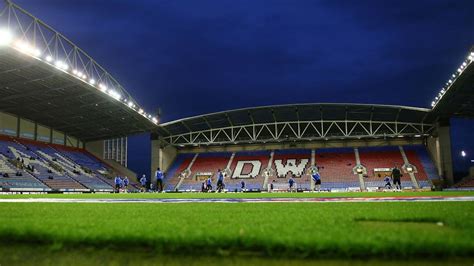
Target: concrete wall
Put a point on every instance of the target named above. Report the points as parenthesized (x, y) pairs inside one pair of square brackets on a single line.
[(43, 134), (122, 170), (15, 126), (8, 124), (168, 155), (27, 129), (433, 149), (161, 156), (96, 148)]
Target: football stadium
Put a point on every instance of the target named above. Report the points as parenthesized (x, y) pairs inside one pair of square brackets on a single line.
[(306, 184)]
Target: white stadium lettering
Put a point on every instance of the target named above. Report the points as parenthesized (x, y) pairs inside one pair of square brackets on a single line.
[(239, 168), (283, 170)]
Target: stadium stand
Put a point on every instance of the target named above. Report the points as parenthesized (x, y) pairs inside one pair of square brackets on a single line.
[(381, 158), (336, 166), (172, 177), (297, 162), (44, 167), (47, 166), (206, 164)]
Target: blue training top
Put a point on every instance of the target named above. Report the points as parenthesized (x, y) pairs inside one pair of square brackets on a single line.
[(117, 180), (220, 176), (316, 177), (159, 175)]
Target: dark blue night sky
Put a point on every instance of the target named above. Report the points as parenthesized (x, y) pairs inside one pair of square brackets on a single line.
[(193, 57)]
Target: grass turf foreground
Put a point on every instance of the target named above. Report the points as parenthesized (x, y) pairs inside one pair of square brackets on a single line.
[(397, 230)]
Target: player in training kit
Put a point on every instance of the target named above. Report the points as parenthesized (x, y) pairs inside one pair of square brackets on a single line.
[(159, 180), (317, 180), (291, 183), (242, 186), (396, 176), (388, 185), (209, 184), (143, 183), (220, 181), (117, 182), (125, 183)]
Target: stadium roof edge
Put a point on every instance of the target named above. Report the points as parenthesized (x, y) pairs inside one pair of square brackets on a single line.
[(296, 122), (421, 109)]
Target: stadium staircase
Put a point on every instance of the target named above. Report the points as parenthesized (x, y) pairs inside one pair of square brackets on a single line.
[(359, 175), (187, 173), (407, 163), (269, 166)]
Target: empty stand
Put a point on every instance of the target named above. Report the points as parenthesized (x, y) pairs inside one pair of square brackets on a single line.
[(44, 167), (382, 157), (172, 177), (205, 163), (336, 168)]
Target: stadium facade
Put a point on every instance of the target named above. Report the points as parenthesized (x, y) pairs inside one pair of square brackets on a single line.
[(64, 115)]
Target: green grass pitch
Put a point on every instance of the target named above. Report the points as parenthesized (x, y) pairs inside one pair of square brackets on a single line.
[(396, 230)]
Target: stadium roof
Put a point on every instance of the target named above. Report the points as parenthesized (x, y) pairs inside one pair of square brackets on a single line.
[(46, 78), (297, 122), (456, 98)]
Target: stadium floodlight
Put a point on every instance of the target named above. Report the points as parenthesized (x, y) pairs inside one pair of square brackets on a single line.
[(433, 104), (61, 65), (6, 37), (74, 72), (26, 48), (36, 52), (84, 76), (114, 94), (92, 81), (131, 104), (48, 58), (453, 76), (140, 111), (155, 120), (102, 87), (463, 154), (450, 81)]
